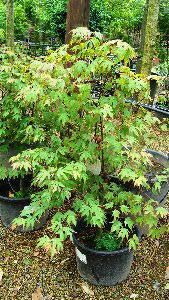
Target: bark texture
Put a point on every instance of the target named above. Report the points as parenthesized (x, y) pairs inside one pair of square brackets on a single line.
[(10, 23), (148, 37), (77, 16)]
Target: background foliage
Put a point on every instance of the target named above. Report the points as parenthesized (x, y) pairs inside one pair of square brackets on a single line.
[(42, 20)]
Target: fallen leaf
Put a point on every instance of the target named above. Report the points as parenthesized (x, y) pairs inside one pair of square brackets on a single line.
[(16, 289), (167, 286), (6, 259), (133, 296), (157, 244), (27, 250), (36, 253), (167, 273), (156, 285), (11, 195), (63, 261), (27, 261), (1, 274), (15, 261), (13, 227), (37, 295), (86, 289)]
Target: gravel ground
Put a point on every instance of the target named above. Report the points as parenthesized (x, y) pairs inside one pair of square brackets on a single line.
[(28, 273), (25, 268)]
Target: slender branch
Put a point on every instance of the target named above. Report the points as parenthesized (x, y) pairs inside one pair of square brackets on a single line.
[(102, 151)]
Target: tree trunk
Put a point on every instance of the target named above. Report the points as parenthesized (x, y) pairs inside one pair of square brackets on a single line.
[(77, 16), (10, 23), (148, 36)]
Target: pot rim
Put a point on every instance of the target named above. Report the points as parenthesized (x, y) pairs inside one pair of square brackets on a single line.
[(10, 200), (77, 243)]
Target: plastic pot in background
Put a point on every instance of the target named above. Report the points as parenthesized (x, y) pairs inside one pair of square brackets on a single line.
[(101, 267), (161, 196), (10, 208), (153, 88), (5, 157)]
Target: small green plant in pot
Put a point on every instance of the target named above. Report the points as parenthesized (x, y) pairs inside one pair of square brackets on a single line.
[(94, 156)]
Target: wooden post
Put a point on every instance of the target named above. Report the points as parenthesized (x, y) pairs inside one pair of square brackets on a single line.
[(77, 16), (10, 23)]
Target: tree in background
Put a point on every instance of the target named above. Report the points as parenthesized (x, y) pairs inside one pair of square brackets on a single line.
[(123, 19), (2, 22), (148, 37), (77, 16), (43, 20), (10, 23), (163, 43)]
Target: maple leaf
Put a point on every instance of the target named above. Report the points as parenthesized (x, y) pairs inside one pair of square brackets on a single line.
[(1, 274), (37, 294), (167, 273), (86, 289)]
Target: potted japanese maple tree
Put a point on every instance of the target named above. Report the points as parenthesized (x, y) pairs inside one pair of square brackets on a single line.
[(94, 162)]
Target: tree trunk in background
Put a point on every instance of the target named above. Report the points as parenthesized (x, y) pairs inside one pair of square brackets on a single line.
[(148, 36), (77, 16), (10, 23)]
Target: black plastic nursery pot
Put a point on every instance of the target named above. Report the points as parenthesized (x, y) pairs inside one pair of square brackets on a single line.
[(153, 88), (101, 267), (157, 110), (5, 157), (10, 208), (161, 196)]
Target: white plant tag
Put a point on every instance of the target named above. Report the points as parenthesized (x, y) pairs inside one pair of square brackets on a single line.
[(81, 256)]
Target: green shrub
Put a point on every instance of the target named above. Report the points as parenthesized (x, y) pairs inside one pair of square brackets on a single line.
[(84, 140)]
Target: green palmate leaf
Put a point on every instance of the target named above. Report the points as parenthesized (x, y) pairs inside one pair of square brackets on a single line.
[(125, 209), (71, 217), (116, 214), (109, 197), (133, 242), (109, 205), (129, 222), (151, 221), (136, 209), (128, 174), (140, 181), (157, 232), (161, 211), (123, 233), (116, 226)]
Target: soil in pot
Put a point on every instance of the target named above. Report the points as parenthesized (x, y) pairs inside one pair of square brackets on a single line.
[(13, 201), (100, 239), (100, 267)]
